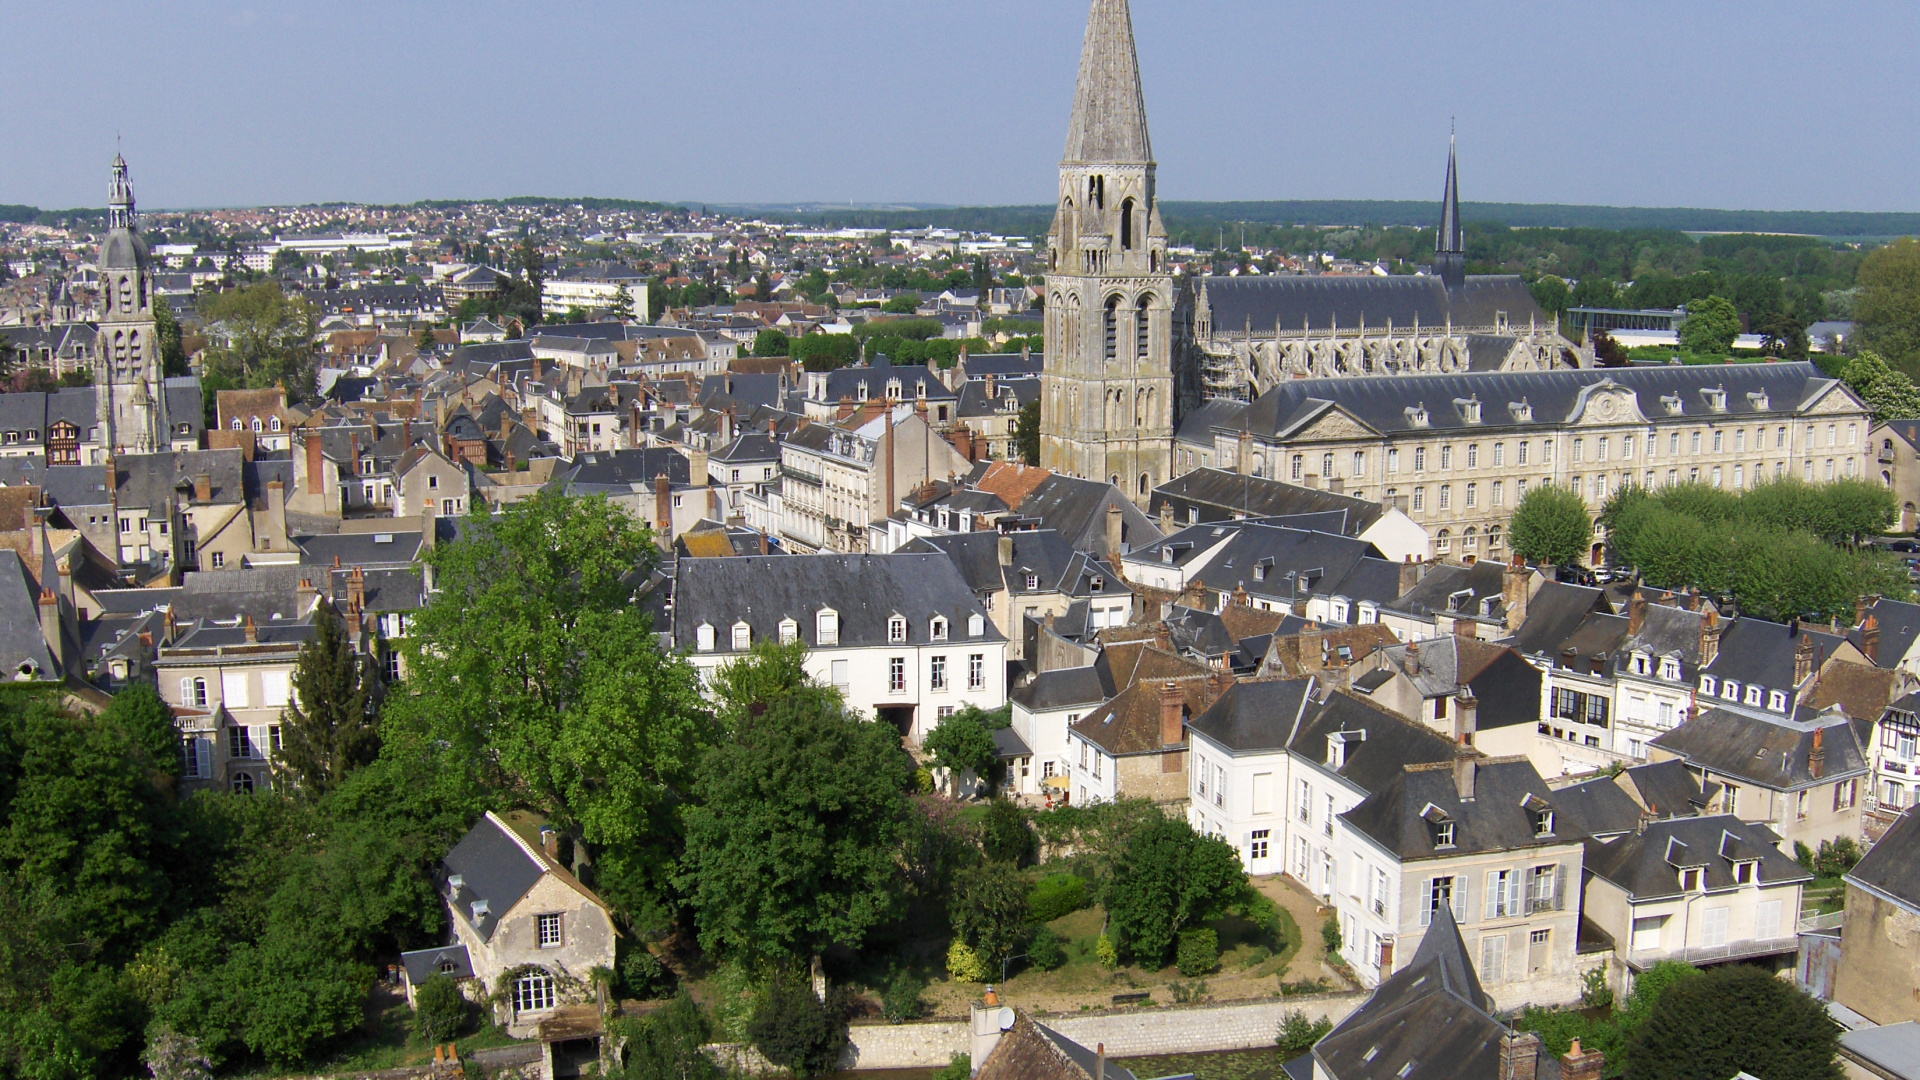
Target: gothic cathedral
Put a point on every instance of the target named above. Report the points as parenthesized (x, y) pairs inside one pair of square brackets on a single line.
[(1108, 388), (128, 384)]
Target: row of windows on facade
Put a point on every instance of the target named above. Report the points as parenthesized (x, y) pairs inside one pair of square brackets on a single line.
[(936, 673), (827, 630), (273, 424)]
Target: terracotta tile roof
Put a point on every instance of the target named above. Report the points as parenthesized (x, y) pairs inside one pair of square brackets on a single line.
[(1130, 723), (1244, 622), (1862, 691), (1286, 658), (1012, 481)]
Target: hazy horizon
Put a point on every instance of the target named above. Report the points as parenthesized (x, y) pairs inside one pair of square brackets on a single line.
[(856, 101)]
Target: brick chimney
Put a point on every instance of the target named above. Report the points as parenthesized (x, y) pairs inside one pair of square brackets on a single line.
[(354, 440), (663, 505), (316, 464), (249, 630), (1465, 764), (1173, 706), (1409, 575), (1803, 659), (1313, 646), (1636, 613), (1870, 639), (1579, 1064), (50, 630), (357, 590), (202, 488), (1519, 1056), (304, 596), (1413, 658), (1710, 630), (1817, 757)]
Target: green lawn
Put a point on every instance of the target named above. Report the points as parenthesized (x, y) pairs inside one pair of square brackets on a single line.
[(385, 1040)]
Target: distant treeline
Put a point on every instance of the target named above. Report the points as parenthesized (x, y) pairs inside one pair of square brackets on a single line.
[(33, 215), (1196, 217)]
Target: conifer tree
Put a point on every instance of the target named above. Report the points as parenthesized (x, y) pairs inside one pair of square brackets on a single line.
[(330, 727)]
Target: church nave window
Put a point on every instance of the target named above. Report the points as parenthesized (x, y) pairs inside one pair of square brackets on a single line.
[(1126, 225)]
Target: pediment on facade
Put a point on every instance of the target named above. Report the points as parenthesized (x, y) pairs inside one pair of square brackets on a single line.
[(1332, 423), (1605, 403), (1835, 399)]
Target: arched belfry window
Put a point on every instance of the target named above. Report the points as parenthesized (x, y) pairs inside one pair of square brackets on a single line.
[(1126, 225), (1142, 340), (1113, 328)]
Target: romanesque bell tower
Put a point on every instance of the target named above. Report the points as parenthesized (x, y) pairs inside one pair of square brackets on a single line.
[(128, 383), (1107, 399)]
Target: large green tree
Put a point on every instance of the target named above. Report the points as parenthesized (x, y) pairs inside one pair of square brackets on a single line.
[(1890, 394), (1027, 435), (1551, 525), (534, 662), (263, 338), (1711, 325), (962, 744), (1730, 1019), (989, 909), (331, 725), (795, 837), (173, 355), (1168, 878), (1887, 310)]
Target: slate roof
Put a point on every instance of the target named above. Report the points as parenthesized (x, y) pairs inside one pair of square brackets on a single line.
[(398, 548), (1017, 393), (1766, 750), (1319, 302), (1064, 688), (1429, 1020), (866, 590), (1646, 863), (1008, 744), (264, 592), (1892, 866), (1495, 819), (1554, 396), (1445, 663), (1899, 626), (1600, 806), (1668, 788), (1390, 742), (424, 964), (1756, 652), (20, 641), (1260, 559), (493, 868), (1484, 580), (1256, 715), (1221, 494), (1554, 612), (1030, 1051), (619, 470), (1077, 508), (1109, 122)]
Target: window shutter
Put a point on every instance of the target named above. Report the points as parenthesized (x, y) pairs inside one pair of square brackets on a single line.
[(204, 748), (186, 693), (1460, 908), (1493, 894), (1513, 893)]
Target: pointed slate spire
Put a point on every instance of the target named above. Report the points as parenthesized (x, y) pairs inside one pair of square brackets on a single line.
[(1109, 110), (1449, 242)]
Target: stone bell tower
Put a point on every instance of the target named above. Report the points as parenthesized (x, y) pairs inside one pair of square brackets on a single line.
[(1107, 397), (128, 383)]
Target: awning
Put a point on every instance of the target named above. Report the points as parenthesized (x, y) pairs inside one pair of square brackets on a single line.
[(1060, 782)]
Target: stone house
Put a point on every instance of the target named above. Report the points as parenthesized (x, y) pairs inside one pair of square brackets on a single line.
[(528, 929), (1804, 776), (428, 484), (1135, 746), (1880, 937)]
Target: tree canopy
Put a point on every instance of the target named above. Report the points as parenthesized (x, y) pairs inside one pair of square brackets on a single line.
[(263, 338), (1887, 311), (1168, 878), (1890, 394), (1730, 1019), (1551, 525), (330, 726), (1710, 327)]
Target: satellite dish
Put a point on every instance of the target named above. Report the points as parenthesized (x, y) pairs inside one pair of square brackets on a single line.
[(1006, 1018)]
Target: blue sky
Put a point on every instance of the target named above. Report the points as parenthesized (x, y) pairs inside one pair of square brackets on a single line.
[(1756, 105)]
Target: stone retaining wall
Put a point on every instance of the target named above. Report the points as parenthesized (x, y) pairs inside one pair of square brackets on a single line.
[(1179, 1029)]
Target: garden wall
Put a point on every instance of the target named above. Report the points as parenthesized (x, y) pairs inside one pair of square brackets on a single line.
[(1179, 1029)]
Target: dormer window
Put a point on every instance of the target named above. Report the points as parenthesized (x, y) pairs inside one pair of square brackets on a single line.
[(1707, 683), (1716, 398), (1745, 873), (1670, 668), (976, 625), (897, 629), (1674, 406), (937, 629), (789, 631), (1166, 555), (1690, 878), (1521, 411), (1757, 399), (1638, 663), (1469, 409), (1032, 582), (1730, 690), (826, 627), (742, 637), (1417, 415), (1777, 700), (1443, 834), (703, 637), (860, 391), (1753, 695), (1260, 569)]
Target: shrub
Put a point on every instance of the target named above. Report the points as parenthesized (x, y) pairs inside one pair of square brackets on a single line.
[(1734, 1018), (964, 964), (643, 976), (1046, 951), (1005, 836), (900, 1001), (1330, 935), (1108, 953), (1836, 857), (439, 1010), (1184, 994), (1055, 896), (794, 1029), (1199, 952), (959, 1067), (1594, 991), (1301, 987), (1298, 1034)]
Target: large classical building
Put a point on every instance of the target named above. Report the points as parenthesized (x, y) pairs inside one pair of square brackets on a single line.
[(1108, 388), (1461, 450), (129, 385)]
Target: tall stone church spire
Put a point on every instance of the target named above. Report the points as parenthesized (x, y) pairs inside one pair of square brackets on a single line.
[(1109, 110), (129, 388), (1449, 249), (1107, 390)]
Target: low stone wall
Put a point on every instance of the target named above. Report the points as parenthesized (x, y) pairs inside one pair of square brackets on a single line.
[(1146, 1032)]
